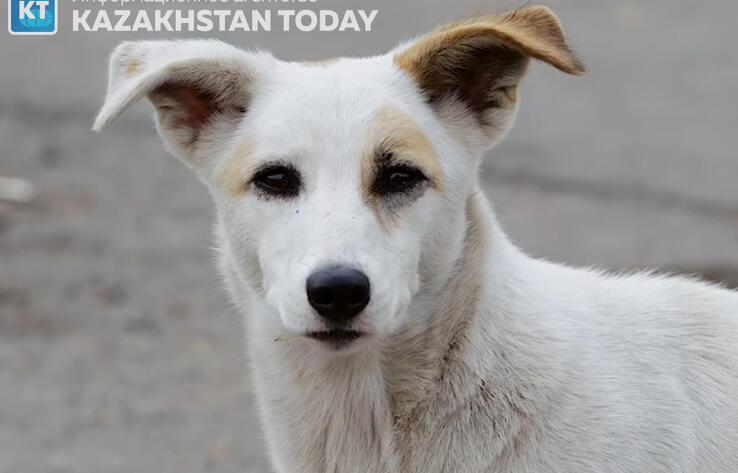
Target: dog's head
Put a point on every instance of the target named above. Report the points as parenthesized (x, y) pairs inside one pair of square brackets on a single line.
[(340, 186)]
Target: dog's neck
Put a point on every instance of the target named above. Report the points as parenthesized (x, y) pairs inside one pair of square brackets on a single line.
[(419, 358), (367, 405)]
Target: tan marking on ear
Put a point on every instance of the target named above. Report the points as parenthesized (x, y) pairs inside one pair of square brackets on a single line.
[(395, 131), (321, 62), (511, 93), (132, 68), (534, 31), (233, 174)]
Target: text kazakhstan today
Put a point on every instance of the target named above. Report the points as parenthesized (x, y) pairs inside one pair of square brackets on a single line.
[(236, 20)]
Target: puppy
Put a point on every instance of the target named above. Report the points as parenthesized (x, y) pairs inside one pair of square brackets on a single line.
[(391, 324)]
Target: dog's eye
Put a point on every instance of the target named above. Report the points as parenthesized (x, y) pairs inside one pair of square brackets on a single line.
[(397, 179), (278, 180)]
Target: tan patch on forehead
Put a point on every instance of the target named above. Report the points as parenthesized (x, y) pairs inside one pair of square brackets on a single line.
[(133, 67), (394, 131), (233, 174), (321, 62)]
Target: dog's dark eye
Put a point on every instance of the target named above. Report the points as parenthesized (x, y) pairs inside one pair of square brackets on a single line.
[(278, 181), (397, 179)]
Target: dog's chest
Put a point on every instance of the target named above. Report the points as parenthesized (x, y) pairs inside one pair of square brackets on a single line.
[(313, 429), (460, 427), (354, 428)]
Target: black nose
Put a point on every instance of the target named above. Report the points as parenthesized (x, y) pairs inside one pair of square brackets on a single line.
[(338, 293)]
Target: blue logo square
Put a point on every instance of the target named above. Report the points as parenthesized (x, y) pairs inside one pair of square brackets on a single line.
[(32, 17)]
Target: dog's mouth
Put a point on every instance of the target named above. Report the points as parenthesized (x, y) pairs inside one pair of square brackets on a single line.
[(336, 338)]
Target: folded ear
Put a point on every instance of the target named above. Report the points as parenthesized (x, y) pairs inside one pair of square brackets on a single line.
[(479, 62), (200, 89)]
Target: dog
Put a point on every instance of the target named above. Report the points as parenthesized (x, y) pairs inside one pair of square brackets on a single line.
[(392, 325)]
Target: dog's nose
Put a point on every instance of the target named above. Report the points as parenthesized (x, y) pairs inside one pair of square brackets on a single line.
[(338, 293)]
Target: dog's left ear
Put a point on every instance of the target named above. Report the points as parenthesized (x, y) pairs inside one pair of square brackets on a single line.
[(200, 89), (479, 62)]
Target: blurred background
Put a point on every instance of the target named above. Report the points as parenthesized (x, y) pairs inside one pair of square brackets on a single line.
[(118, 349)]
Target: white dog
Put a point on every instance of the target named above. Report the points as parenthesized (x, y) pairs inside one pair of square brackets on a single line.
[(392, 326)]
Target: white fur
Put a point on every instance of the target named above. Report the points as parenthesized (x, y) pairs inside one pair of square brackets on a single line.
[(481, 358)]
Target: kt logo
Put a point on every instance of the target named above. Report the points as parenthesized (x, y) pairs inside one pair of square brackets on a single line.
[(37, 17)]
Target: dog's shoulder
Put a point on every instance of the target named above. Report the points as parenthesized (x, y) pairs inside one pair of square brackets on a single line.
[(687, 298), (684, 319)]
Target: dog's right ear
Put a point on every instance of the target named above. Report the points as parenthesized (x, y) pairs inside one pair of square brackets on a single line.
[(201, 90), (472, 68)]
